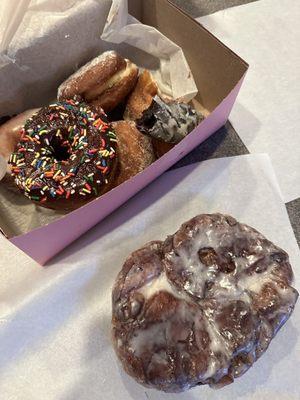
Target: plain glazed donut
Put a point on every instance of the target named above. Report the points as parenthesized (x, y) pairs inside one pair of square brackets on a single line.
[(201, 307), (135, 151), (103, 82), (66, 156)]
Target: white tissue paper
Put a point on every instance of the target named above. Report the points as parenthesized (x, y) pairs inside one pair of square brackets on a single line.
[(172, 63), (55, 321), (43, 41), (266, 114)]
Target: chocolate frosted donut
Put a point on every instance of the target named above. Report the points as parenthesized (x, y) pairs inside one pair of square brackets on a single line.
[(65, 156), (169, 122), (201, 307)]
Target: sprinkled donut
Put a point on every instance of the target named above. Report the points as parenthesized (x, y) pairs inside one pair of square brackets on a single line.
[(201, 307), (66, 155)]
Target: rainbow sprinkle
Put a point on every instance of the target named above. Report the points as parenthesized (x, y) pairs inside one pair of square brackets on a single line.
[(66, 150)]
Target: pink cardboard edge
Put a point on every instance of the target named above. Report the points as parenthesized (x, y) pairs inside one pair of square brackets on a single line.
[(45, 242)]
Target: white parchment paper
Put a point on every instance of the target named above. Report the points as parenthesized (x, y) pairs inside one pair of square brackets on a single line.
[(43, 41), (266, 114), (55, 321)]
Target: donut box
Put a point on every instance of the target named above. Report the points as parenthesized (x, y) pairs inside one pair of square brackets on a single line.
[(218, 73)]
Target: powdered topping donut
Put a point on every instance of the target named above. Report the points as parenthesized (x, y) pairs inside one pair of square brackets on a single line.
[(201, 307), (66, 155)]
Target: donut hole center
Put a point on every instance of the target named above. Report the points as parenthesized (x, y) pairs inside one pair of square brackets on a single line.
[(149, 121), (61, 148)]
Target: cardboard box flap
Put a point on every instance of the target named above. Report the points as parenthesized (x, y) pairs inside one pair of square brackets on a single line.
[(216, 68), (218, 74)]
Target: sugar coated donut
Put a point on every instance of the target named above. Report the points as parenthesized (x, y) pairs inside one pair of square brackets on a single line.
[(141, 97), (135, 151), (103, 82)]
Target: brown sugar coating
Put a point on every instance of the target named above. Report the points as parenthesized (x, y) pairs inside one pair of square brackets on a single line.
[(140, 100), (201, 307), (141, 97), (103, 82), (135, 151)]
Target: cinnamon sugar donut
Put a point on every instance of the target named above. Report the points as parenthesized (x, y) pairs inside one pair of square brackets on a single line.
[(135, 151), (66, 155), (141, 97), (201, 307), (103, 82)]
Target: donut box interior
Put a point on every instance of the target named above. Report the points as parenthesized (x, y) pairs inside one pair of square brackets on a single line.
[(218, 73)]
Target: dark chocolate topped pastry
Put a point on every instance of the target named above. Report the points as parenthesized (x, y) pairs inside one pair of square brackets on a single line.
[(65, 156), (169, 122), (201, 307)]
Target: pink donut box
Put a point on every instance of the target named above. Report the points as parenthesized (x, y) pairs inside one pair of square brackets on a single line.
[(218, 73)]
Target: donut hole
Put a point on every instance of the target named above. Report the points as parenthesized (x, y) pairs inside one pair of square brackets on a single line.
[(61, 148), (149, 121)]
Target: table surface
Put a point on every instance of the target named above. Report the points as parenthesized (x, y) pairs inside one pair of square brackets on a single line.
[(226, 142)]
